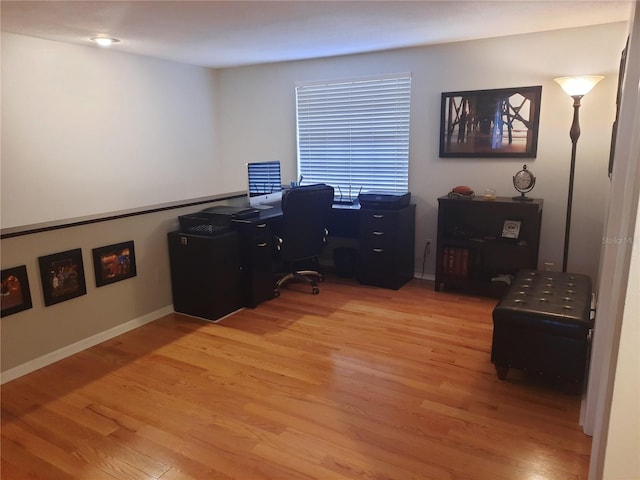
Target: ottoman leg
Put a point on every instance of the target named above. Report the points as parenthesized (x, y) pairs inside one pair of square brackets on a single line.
[(573, 388), (502, 372)]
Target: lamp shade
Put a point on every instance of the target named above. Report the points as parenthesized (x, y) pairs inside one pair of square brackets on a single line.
[(578, 85)]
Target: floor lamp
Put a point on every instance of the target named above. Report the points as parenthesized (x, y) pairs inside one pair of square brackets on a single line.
[(576, 88)]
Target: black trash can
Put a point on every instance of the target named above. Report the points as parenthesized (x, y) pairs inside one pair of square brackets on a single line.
[(345, 260)]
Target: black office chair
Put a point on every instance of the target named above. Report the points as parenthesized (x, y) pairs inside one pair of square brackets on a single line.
[(303, 235)]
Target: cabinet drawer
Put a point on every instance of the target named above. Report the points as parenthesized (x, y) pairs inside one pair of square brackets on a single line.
[(261, 251), (378, 239), (256, 237), (258, 231), (378, 220), (378, 261), (383, 268)]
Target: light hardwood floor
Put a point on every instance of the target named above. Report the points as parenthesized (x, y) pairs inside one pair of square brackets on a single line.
[(354, 383)]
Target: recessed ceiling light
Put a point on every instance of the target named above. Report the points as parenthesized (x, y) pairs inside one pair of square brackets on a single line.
[(104, 41)]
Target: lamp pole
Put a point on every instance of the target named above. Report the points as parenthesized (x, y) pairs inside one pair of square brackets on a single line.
[(574, 134), (576, 88)]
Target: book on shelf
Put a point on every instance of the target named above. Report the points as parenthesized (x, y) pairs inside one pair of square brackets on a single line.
[(455, 262)]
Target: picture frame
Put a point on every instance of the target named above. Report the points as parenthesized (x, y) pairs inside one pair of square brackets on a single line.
[(15, 294), (614, 129), (500, 123), (511, 228), (62, 276), (113, 263)]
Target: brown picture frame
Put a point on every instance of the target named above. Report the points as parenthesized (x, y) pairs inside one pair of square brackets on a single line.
[(62, 276), (113, 263), (15, 293), (498, 123)]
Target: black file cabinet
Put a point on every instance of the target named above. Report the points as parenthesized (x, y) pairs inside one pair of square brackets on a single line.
[(387, 244), (257, 247), (205, 274)]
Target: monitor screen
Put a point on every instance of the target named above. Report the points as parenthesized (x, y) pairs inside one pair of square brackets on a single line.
[(264, 182)]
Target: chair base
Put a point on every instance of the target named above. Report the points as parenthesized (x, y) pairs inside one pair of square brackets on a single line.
[(311, 277)]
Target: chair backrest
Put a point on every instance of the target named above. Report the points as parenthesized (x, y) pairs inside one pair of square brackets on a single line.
[(305, 216)]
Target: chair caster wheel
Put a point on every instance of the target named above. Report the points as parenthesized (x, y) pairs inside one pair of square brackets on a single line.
[(315, 290)]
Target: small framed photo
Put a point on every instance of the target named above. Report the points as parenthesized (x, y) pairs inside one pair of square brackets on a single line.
[(113, 263), (490, 123), (511, 229), (15, 295), (62, 276)]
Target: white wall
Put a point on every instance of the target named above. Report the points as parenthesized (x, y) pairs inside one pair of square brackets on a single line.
[(622, 458), (612, 410), (258, 107), (87, 130)]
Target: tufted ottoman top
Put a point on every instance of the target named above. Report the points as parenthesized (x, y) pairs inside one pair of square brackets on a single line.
[(547, 300)]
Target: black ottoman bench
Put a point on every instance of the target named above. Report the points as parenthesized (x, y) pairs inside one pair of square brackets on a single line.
[(543, 324)]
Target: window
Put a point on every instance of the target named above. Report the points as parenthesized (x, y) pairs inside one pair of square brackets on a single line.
[(354, 134)]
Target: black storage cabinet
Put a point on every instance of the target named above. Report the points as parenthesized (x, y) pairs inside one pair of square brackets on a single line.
[(471, 248), (256, 260), (205, 273), (387, 246)]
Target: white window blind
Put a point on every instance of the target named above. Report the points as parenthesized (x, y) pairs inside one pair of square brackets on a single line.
[(354, 134)]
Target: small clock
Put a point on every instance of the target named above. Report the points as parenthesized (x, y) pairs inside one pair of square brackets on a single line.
[(524, 181)]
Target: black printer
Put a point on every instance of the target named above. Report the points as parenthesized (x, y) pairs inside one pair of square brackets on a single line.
[(214, 220), (384, 199)]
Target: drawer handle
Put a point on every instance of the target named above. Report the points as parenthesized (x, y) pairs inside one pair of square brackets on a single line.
[(261, 225), (378, 250), (378, 233), (263, 244), (378, 215)]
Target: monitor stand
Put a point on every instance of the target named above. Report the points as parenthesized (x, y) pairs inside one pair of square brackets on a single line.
[(262, 206)]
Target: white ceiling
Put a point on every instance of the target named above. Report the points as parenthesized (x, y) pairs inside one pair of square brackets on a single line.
[(231, 33)]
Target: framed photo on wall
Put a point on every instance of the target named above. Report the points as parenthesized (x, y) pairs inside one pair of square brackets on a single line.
[(614, 129), (62, 276), (490, 123), (113, 263), (15, 295)]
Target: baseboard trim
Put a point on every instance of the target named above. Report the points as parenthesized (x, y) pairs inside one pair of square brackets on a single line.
[(67, 351), (425, 276)]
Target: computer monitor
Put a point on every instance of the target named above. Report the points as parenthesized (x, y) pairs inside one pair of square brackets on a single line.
[(264, 182)]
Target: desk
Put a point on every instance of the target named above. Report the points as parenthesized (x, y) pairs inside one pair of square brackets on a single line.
[(343, 222), (384, 241)]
